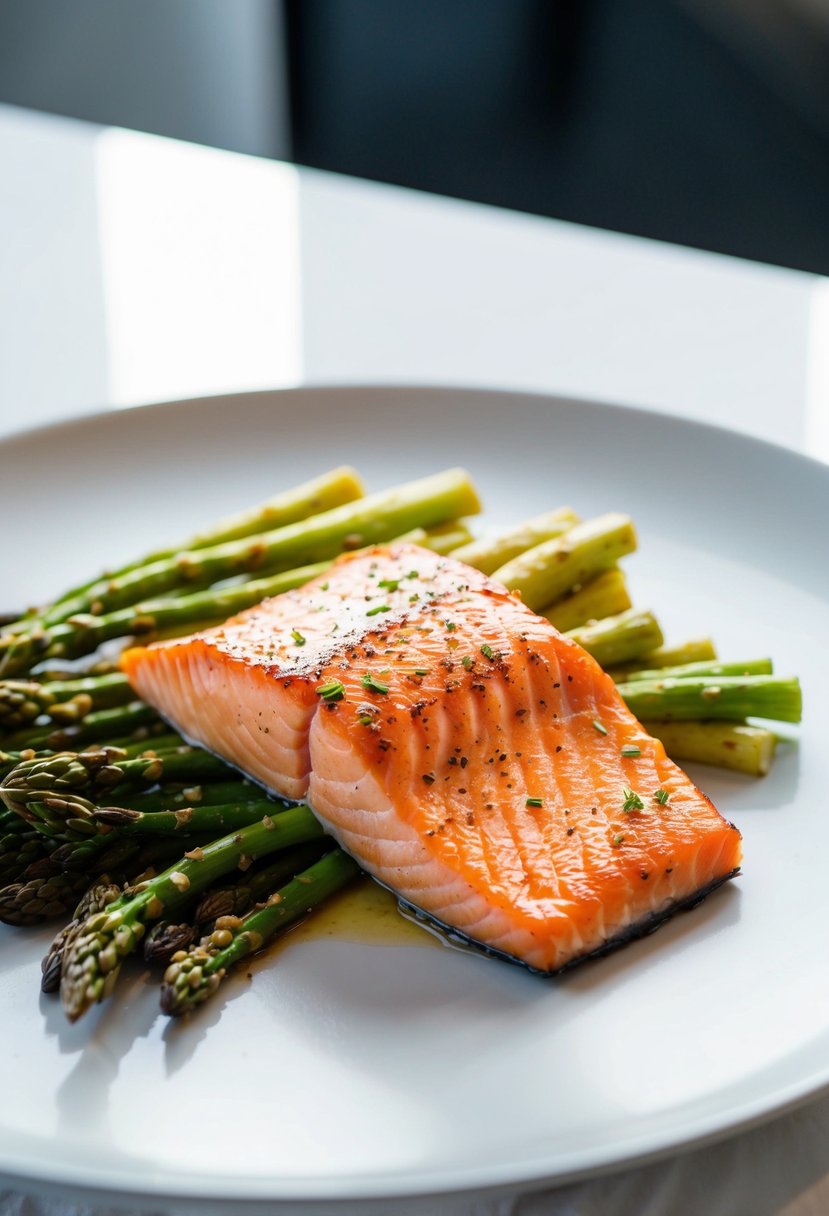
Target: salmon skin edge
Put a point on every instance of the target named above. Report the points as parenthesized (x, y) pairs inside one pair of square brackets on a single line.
[(642, 928)]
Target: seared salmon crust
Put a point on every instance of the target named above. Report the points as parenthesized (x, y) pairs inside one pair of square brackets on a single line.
[(469, 757)]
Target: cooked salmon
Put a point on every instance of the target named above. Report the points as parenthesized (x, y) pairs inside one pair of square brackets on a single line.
[(470, 758)]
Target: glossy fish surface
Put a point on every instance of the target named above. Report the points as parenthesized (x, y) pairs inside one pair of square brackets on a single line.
[(467, 755)]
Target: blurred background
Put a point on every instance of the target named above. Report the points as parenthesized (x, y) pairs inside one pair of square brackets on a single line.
[(700, 122)]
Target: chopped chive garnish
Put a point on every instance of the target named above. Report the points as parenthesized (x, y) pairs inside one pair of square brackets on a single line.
[(390, 584), (486, 651), (629, 752), (451, 626), (298, 638), (378, 608), (369, 682), (334, 690), (421, 671), (468, 662), (599, 727), (632, 801), (413, 598), (662, 796), (365, 719), (535, 802), (618, 839), (413, 574), (324, 586)]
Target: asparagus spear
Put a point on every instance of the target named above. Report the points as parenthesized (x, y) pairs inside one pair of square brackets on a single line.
[(21, 846), (378, 517), (257, 884), (544, 574), (605, 595), (724, 697), (88, 774), (193, 977), (490, 553), (750, 667), (40, 899), (745, 749), (92, 964), (629, 635), (64, 701), (166, 938), (95, 899), (696, 650), (330, 490), (94, 728), (218, 819)]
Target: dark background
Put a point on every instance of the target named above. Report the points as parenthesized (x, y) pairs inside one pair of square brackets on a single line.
[(699, 122)]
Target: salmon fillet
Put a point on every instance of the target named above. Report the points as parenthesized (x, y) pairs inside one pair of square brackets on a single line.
[(469, 757)]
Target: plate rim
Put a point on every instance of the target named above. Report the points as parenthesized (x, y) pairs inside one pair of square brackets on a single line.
[(480, 1180)]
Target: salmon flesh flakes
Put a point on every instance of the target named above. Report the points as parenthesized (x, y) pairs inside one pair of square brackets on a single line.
[(469, 757)]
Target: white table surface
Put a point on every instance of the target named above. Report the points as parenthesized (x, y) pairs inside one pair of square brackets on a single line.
[(138, 269)]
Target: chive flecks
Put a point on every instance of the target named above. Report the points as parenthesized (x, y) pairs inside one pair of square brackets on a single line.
[(421, 671), (535, 802), (468, 662), (298, 638), (486, 651), (379, 608), (334, 690), (632, 801), (324, 586), (618, 839), (599, 727), (372, 684), (413, 574), (389, 584), (451, 626), (662, 797), (631, 751)]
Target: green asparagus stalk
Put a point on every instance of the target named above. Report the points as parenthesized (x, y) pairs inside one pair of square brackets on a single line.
[(443, 539), (218, 819), (175, 797), (94, 773), (729, 745), (619, 638), (92, 964), (99, 896), (606, 595), (544, 574), (731, 698), (166, 938), (96, 727), (257, 884), (708, 669), (490, 553), (64, 701), (378, 517), (193, 977), (696, 650), (320, 494)]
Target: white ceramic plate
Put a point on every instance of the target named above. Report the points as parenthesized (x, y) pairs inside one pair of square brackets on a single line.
[(350, 1073)]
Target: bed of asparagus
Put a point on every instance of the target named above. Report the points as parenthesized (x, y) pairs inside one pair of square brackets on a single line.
[(146, 843)]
